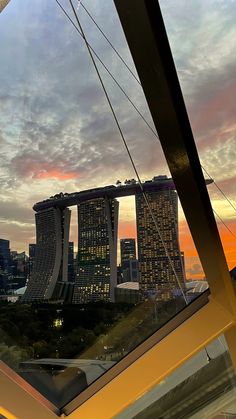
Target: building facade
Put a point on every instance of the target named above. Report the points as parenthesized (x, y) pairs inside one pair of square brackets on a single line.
[(4, 255), (128, 292), (71, 267), (32, 254), (129, 263), (50, 268), (127, 250), (97, 250), (160, 275)]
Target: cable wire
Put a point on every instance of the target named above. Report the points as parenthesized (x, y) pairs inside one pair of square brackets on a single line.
[(224, 224), (224, 195), (127, 149), (109, 42), (132, 103), (128, 68), (123, 91), (108, 71), (121, 58)]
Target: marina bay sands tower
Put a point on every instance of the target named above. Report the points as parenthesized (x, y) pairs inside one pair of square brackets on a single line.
[(51, 259), (97, 250), (161, 267)]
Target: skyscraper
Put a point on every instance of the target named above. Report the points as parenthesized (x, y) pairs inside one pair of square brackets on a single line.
[(71, 270), (129, 263), (4, 255), (97, 250), (51, 261), (157, 273), (127, 250)]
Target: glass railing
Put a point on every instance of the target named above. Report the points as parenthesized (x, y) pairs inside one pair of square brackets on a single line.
[(204, 386), (111, 262)]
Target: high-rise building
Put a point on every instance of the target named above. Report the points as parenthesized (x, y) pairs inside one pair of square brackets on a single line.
[(97, 250), (129, 263), (51, 259), (127, 250), (160, 275), (71, 270), (18, 270), (4, 255)]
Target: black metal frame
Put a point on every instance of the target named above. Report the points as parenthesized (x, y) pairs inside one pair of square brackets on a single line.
[(146, 36), (148, 42)]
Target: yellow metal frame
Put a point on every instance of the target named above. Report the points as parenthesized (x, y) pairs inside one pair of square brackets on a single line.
[(155, 365), (151, 368)]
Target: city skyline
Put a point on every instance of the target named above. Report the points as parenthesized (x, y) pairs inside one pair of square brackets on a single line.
[(160, 265), (57, 133)]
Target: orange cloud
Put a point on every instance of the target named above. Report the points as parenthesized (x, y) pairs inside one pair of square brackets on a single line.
[(127, 229), (56, 174), (213, 110), (228, 185), (227, 239)]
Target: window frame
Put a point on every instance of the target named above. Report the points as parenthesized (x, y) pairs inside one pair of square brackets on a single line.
[(110, 394)]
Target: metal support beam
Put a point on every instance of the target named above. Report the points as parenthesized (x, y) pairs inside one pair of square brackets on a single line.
[(148, 42), (230, 337), (21, 400), (141, 349), (147, 39), (157, 363)]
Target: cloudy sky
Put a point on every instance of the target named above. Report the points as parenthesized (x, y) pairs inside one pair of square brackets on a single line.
[(56, 130)]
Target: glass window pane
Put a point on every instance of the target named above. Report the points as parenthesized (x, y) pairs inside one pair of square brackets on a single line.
[(205, 63), (204, 387), (80, 290)]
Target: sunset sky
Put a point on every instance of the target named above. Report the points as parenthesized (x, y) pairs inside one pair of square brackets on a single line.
[(56, 130)]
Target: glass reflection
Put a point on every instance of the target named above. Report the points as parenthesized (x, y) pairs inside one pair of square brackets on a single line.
[(205, 63), (71, 308), (204, 386)]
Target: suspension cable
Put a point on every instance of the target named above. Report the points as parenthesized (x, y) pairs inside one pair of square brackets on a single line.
[(132, 103), (109, 72), (128, 98), (222, 192), (232, 234), (127, 150), (109, 42), (121, 58)]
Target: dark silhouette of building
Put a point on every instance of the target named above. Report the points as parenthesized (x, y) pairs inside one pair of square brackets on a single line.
[(127, 250), (51, 258), (32, 255), (97, 250), (129, 263), (128, 292), (71, 270), (18, 270), (158, 276), (5, 255)]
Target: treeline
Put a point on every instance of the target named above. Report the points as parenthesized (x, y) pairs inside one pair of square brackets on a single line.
[(39, 331), (99, 330)]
